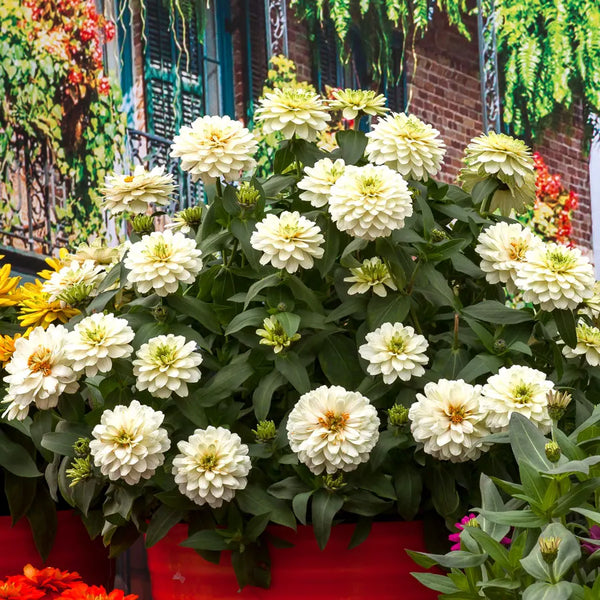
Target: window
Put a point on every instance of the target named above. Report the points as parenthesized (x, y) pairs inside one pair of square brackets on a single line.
[(184, 77)]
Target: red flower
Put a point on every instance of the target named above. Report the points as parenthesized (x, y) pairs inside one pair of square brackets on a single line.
[(75, 77), (109, 31), (88, 31), (49, 580), (81, 591), (17, 588), (103, 86)]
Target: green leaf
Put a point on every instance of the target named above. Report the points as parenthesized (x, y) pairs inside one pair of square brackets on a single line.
[(42, 519), (548, 591), (527, 442), (492, 311), (491, 500), (434, 286), (339, 362), (361, 533), (224, 382), (261, 398), (243, 230), (160, 524), (289, 321), (409, 487), (14, 458), (255, 500), (439, 583), (578, 494), (19, 492), (272, 280), (294, 371), (61, 442), (248, 318), (443, 491), (325, 506), (207, 539), (276, 184), (201, 312), (352, 145), (482, 364), (525, 518), (300, 505), (348, 307), (457, 559), (391, 309), (567, 328)]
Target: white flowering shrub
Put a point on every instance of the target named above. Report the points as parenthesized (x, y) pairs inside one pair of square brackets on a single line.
[(330, 342)]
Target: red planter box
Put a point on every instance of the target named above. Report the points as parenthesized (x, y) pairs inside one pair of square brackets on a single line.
[(73, 550), (379, 568)]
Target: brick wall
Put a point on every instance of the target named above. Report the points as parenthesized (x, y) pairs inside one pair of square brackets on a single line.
[(444, 91), (299, 48)]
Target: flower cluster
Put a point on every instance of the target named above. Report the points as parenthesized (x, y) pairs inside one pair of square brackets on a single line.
[(451, 418), (53, 584)]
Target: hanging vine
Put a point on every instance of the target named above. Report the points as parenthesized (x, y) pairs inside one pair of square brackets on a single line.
[(549, 49)]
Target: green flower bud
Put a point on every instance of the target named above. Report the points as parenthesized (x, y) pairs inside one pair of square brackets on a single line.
[(247, 195), (499, 346), (143, 224), (77, 294), (265, 431), (333, 482), (549, 548), (557, 404), (82, 447), (437, 235), (81, 469), (160, 313), (553, 452), (275, 335), (397, 415)]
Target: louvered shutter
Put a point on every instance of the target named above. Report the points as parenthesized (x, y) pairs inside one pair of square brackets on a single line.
[(257, 37), (396, 89), (160, 76), (190, 71), (328, 64)]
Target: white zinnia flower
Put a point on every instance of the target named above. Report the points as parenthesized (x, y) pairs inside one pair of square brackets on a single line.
[(395, 351), (592, 304), (588, 344), (370, 202), (406, 144), (39, 371), (449, 420), (96, 341), (517, 389), (129, 443), (72, 274), (293, 112), (555, 276), (499, 156), (215, 147), (358, 102), (165, 365), (371, 275), (161, 261), (333, 429), (212, 465), (134, 193), (318, 180), (288, 241), (502, 248)]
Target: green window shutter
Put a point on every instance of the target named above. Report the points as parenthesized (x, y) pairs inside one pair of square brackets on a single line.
[(160, 71), (329, 69), (190, 71)]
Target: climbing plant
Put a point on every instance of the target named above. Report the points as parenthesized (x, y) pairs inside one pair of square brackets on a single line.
[(57, 101), (549, 49)]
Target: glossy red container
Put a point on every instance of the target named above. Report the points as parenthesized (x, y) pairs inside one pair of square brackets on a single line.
[(72, 551), (377, 569)]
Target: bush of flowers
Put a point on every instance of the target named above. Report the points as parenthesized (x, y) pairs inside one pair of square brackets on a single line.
[(550, 216), (53, 584), (543, 540), (328, 343)]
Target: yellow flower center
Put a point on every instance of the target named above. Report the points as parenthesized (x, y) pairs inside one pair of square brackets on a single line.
[(334, 422), (162, 251), (559, 261), (128, 179), (289, 232), (165, 355), (369, 185), (41, 360), (522, 393), (517, 250), (397, 344), (125, 438), (457, 414), (209, 461), (95, 334)]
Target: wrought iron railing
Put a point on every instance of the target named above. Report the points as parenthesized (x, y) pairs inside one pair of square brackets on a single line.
[(33, 193)]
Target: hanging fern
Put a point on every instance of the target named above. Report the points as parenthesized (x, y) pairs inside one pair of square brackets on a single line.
[(549, 50)]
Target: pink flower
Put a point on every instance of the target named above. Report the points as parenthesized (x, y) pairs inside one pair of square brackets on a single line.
[(594, 534), (469, 520)]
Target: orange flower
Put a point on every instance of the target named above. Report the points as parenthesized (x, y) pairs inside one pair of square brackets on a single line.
[(37, 311), (7, 347), (82, 591), (53, 582), (17, 588)]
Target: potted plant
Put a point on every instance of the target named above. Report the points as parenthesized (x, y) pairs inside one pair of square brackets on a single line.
[(308, 348), (551, 519)]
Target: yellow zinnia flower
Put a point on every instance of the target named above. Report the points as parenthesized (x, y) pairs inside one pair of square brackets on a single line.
[(55, 264), (37, 311), (8, 285), (7, 347)]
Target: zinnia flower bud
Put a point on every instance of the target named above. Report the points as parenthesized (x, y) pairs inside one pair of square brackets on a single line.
[(549, 548), (553, 452)]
